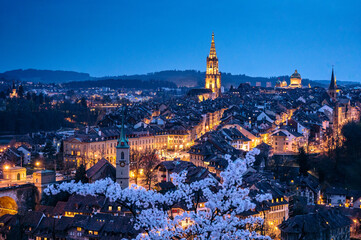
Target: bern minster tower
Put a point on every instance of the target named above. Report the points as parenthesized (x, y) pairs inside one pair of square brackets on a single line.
[(213, 77), (122, 159)]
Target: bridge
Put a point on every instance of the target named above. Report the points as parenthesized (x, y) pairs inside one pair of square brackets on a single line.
[(18, 199)]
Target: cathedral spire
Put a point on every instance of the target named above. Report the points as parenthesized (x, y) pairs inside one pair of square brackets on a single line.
[(213, 76), (212, 52)]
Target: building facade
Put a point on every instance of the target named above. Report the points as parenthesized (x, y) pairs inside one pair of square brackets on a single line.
[(295, 80)]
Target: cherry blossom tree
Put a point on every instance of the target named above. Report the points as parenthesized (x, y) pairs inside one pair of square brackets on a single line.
[(219, 218)]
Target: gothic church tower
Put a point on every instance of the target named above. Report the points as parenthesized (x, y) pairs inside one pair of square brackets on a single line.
[(213, 76), (122, 159), (332, 89)]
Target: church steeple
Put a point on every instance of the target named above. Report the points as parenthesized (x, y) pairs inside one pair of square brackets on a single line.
[(122, 159), (122, 141), (212, 52), (333, 84), (213, 76), (332, 89)]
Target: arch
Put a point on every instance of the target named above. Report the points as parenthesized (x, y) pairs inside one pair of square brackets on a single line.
[(8, 206), (122, 155)]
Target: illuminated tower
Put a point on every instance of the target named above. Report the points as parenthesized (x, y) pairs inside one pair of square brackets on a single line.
[(295, 80), (14, 93), (213, 77), (122, 159)]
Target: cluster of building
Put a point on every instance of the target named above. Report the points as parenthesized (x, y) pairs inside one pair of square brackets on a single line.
[(242, 119), (96, 217), (203, 125)]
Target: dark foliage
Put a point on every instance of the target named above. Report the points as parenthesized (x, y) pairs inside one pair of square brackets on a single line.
[(80, 174), (35, 113), (302, 160), (342, 166), (51, 200)]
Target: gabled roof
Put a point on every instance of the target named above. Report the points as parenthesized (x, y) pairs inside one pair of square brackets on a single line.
[(315, 222), (103, 166)]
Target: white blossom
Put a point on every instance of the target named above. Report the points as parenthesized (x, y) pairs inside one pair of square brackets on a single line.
[(224, 202)]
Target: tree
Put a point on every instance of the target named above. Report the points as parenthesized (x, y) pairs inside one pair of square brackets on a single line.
[(149, 162), (83, 102), (49, 154), (224, 201), (135, 164), (302, 160), (142, 164), (21, 91), (2, 95), (106, 99), (49, 150), (80, 175)]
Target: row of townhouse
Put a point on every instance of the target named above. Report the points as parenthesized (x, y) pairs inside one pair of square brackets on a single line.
[(92, 144), (90, 148)]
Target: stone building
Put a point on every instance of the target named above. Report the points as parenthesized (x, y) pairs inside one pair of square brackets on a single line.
[(295, 80), (213, 76)]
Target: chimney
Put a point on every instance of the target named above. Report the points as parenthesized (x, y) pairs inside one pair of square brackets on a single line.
[(100, 133), (87, 130)]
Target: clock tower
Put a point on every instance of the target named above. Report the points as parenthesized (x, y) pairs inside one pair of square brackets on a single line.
[(122, 159)]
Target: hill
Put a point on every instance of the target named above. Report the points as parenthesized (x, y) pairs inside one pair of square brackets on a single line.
[(193, 78), (121, 83), (44, 76), (186, 78)]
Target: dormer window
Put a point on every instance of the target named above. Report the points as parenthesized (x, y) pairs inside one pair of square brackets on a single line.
[(110, 208)]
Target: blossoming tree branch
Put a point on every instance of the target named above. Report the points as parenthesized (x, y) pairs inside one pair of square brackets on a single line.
[(224, 202)]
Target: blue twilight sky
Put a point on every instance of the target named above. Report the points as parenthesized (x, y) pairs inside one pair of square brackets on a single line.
[(115, 37)]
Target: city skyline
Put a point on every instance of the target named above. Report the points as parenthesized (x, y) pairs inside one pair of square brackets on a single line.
[(117, 38)]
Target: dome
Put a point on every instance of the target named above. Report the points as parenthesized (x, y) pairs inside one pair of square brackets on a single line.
[(296, 75), (296, 80)]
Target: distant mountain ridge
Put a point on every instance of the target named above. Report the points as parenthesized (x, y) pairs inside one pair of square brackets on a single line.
[(182, 78), (45, 76)]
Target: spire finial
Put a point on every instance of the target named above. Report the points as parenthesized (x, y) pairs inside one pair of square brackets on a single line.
[(122, 129), (333, 84), (212, 53), (122, 142)]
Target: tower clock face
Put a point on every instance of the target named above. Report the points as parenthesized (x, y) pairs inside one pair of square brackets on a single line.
[(122, 163)]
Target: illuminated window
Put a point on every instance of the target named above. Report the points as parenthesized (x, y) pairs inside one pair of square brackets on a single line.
[(78, 229), (95, 233), (119, 208), (110, 208)]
